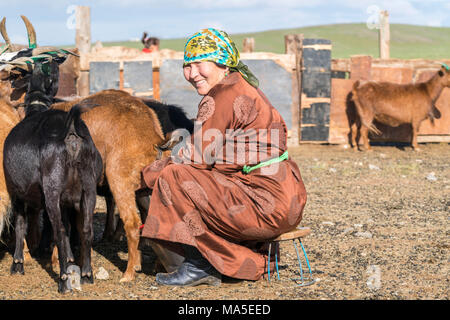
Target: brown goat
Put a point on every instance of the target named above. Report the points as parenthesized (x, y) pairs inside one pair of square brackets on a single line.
[(8, 119), (395, 104), (124, 131)]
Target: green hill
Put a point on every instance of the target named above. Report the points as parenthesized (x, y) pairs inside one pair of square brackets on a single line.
[(407, 41)]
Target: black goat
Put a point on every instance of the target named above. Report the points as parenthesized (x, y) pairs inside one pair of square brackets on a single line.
[(171, 117), (51, 164)]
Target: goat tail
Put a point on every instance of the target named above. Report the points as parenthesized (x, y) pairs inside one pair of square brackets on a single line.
[(373, 129), (74, 135), (5, 212), (74, 115)]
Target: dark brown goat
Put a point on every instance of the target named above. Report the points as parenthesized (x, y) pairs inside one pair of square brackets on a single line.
[(396, 104), (124, 130)]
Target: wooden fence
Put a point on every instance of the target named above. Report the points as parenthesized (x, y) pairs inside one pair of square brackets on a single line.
[(310, 90)]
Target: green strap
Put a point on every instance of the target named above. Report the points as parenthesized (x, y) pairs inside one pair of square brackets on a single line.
[(446, 66), (4, 48), (247, 169)]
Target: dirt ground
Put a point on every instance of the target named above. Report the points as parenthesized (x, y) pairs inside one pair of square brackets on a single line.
[(380, 230)]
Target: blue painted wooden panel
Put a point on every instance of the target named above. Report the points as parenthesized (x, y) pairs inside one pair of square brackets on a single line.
[(174, 89), (316, 83), (138, 75), (103, 75), (275, 82)]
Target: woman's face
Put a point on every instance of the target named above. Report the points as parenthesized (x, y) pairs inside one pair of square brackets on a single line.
[(204, 75)]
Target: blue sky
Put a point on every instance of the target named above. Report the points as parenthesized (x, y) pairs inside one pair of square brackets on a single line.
[(124, 20)]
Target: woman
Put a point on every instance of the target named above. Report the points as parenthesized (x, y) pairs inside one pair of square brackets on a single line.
[(235, 185)]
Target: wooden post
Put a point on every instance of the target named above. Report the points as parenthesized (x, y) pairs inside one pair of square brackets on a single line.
[(156, 94), (360, 67), (384, 35), (294, 45), (83, 43), (249, 45)]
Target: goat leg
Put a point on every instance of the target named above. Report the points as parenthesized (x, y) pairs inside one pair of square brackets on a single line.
[(59, 236), (69, 231), (119, 233), (354, 133), (52, 201), (414, 133), (123, 192), (26, 253), (45, 243), (85, 230), (110, 227), (33, 233), (365, 136), (20, 229), (143, 203)]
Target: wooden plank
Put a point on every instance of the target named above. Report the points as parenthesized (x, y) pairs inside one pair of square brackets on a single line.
[(433, 138), (104, 75), (174, 89), (442, 125), (394, 75), (342, 111), (138, 76), (294, 234), (121, 81), (340, 65), (276, 83), (361, 67), (156, 87)]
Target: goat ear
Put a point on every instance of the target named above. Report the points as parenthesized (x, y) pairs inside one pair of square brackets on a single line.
[(54, 77)]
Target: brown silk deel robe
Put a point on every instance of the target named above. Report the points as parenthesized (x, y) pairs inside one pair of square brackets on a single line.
[(208, 202)]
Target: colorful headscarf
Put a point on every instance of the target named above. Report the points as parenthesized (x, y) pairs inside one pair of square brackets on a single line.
[(215, 45)]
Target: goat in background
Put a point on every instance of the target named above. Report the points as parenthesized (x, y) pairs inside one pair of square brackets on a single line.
[(394, 104)]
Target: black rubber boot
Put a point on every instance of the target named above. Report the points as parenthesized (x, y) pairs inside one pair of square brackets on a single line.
[(195, 270)]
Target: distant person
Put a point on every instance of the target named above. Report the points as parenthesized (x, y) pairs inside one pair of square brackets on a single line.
[(151, 44)]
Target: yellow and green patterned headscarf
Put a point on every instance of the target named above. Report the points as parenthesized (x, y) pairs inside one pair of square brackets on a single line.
[(215, 45)]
